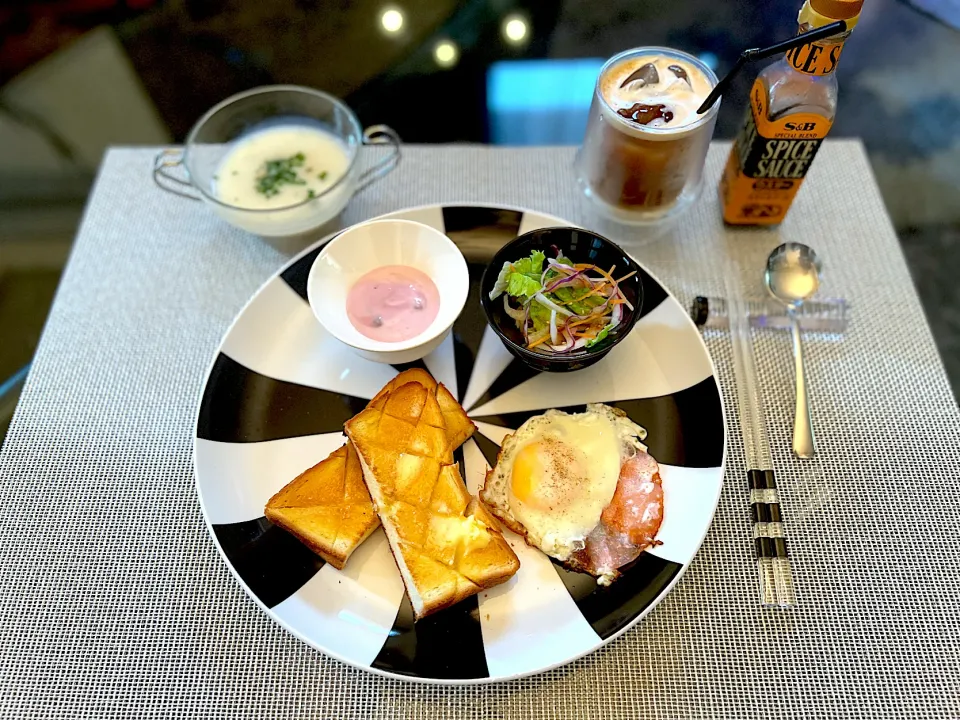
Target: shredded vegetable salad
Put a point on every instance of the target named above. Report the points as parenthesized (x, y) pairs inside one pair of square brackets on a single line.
[(560, 306)]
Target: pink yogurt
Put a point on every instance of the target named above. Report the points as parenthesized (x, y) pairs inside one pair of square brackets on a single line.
[(393, 303)]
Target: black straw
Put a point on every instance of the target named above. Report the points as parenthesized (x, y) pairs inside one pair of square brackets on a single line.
[(760, 53)]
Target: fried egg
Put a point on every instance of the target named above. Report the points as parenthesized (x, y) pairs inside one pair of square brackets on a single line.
[(558, 472)]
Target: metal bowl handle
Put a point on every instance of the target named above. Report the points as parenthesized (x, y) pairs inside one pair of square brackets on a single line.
[(380, 135), (163, 176)]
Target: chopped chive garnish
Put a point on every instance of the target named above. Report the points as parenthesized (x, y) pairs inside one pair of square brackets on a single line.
[(311, 194), (323, 175), (276, 173)]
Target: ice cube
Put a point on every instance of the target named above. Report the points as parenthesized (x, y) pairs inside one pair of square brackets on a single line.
[(680, 73), (645, 74)]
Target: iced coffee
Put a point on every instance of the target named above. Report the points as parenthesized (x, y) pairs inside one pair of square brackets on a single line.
[(643, 153)]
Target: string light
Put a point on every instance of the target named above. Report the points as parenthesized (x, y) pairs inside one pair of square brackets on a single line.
[(446, 53), (392, 20), (515, 29)]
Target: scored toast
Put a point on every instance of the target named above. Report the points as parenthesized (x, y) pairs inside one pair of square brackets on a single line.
[(446, 545), (458, 426), (327, 507)]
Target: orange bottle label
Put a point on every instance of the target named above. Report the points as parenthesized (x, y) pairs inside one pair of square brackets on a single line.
[(768, 162), (815, 58)]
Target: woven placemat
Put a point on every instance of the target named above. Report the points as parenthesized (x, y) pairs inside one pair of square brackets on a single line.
[(114, 602)]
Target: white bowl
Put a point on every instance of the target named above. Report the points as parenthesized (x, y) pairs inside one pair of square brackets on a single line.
[(387, 242)]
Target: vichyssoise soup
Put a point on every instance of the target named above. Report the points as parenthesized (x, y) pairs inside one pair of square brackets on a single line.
[(280, 166)]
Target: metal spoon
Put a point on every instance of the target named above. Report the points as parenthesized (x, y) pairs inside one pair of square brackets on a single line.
[(792, 276)]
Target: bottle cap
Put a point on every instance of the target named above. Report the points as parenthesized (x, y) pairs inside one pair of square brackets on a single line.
[(837, 9), (817, 13)]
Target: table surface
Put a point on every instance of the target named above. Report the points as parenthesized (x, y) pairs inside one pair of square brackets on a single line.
[(115, 603)]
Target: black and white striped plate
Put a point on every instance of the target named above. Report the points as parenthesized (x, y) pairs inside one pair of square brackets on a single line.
[(274, 403)]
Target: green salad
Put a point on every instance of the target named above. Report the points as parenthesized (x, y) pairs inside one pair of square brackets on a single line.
[(560, 306)]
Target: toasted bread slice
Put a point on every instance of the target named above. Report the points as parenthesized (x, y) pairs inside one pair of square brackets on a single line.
[(459, 427), (327, 507), (446, 545)]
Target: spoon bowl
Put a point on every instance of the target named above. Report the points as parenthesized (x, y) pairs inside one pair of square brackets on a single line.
[(793, 273)]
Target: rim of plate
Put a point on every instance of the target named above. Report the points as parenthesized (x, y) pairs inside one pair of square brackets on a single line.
[(444, 681)]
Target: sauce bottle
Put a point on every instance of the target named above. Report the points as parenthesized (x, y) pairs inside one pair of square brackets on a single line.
[(792, 106)]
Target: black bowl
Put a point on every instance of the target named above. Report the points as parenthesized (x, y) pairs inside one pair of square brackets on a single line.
[(581, 246)]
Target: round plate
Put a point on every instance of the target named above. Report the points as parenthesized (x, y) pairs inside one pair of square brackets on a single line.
[(274, 403)]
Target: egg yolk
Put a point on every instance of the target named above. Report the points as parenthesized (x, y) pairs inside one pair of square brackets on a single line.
[(526, 470), (547, 475)]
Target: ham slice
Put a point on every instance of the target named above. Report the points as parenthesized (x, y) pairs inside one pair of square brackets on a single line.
[(629, 524)]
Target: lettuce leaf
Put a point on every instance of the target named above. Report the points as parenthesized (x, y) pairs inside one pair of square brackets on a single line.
[(586, 306), (532, 265), (602, 335), (522, 278), (500, 286), (520, 285), (570, 298), (539, 316)]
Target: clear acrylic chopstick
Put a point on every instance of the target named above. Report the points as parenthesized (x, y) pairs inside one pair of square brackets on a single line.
[(831, 315), (770, 542)]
